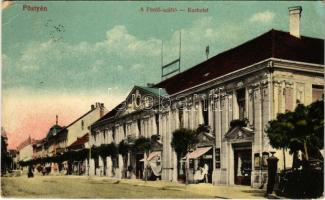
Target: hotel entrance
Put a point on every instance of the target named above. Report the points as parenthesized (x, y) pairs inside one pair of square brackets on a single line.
[(243, 166)]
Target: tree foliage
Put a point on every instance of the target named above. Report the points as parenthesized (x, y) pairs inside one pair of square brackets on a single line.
[(183, 141), (105, 150), (142, 144), (238, 122), (123, 148), (301, 129)]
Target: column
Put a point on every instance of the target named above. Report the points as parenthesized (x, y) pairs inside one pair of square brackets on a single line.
[(91, 167), (109, 166)]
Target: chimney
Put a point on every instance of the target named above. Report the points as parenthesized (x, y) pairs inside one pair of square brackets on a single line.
[(101, 109), (294, 20), (92, 106), (56, 120)]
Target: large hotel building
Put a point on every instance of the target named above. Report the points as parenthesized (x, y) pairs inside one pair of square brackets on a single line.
[(255, 81)]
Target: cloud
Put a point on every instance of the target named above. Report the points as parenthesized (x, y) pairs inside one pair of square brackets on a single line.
[(119, 40), (262, 17), (77, 75)]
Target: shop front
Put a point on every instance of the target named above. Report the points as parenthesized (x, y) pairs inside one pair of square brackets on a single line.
[(202, 160)]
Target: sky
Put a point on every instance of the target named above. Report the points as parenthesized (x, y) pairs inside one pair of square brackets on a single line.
[(60, 61)]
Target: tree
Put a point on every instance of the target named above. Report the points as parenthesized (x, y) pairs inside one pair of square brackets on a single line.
[(183, 141), (143, 144), (301, 130), (123, 148)]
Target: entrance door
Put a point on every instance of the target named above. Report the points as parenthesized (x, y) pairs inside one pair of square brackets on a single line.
[(139, 166), (243, 166)]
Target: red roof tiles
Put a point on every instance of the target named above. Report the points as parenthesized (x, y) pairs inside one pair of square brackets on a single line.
[(79, 142)]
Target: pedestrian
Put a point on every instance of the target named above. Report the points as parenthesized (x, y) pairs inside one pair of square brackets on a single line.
[(30, 172), (272, 163)]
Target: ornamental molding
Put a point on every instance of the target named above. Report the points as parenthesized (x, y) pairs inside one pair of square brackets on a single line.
[(289, 84), (240, 84)]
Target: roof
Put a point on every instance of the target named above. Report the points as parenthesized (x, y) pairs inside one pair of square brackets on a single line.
[(274, 43), (28, 141), (239, 133), (60, 130), (155, 91), (54, 130), (111, 113), (82, 116), (80, 141)]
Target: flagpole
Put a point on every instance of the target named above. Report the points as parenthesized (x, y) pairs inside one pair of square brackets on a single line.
[(180, 51)]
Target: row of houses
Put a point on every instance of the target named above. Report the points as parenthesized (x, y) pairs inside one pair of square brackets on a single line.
[(59, 140), (252, 82)]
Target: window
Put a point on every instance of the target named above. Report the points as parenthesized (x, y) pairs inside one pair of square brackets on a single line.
[(139, 126), (82, 124), (318, 92), (124, 129), (213, 115), (218, 158), (157, 122), (241, 103), (288, 94), (113, 133), (205, 112), (195, 116), (181, 118)]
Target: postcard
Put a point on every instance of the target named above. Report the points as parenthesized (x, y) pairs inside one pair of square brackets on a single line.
[(162, 99)]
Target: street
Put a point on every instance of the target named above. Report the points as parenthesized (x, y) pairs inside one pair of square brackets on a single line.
[(102, 187)]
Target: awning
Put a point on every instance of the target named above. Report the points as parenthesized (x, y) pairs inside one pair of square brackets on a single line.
[(81, 141), (151, 156), (198, 152)]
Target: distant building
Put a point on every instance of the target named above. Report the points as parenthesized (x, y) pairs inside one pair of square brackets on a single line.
[(61, 139), (25, 150), (255, 81)]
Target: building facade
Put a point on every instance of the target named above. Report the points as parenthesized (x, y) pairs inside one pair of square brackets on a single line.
[(26, 150), (61, 139), (254, 82)]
